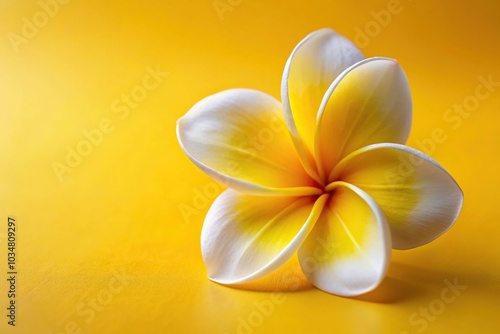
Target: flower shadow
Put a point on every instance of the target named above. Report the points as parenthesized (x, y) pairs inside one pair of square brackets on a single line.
[(403, 283)]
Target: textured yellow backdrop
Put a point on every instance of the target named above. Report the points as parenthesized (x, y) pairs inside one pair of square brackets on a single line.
[(109, 210)]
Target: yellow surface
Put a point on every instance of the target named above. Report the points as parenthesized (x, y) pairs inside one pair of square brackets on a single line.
[(105, 247)]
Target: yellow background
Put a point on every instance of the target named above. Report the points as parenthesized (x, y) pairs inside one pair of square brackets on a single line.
[(111, 233)]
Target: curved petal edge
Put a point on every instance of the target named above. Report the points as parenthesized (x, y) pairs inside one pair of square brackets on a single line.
[(420, 199), (246, 237)]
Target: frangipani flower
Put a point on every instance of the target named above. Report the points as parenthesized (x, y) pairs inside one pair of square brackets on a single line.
[(325, 174)]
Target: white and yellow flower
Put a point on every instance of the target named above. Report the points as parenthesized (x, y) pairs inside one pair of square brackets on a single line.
[(325, 174)]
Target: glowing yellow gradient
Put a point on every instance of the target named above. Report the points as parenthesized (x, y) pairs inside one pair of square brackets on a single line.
[(348, 250), (418, 197), (371, 104), (113, 244), (236, 133), (245, 238), (306, 85)]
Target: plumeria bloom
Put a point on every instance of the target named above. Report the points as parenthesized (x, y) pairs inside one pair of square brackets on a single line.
[(324, 174)]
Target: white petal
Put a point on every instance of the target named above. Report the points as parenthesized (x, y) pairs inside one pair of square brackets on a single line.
[(419, 198), (348, 251), (312, 67), (368, 103), (239, 138), (246, 237)]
